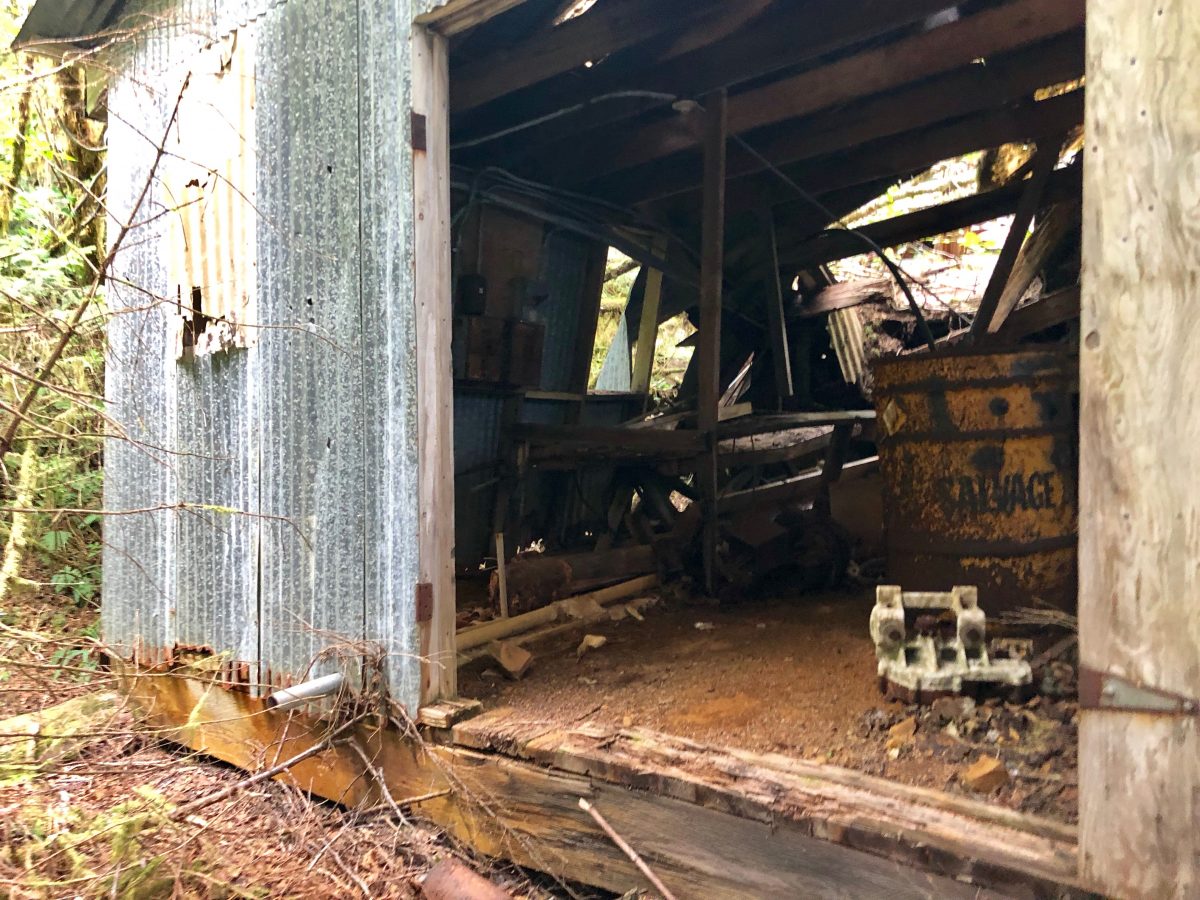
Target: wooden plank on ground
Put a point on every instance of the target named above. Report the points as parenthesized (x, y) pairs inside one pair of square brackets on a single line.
[(716, 829), (1139, 510), (952, 835)]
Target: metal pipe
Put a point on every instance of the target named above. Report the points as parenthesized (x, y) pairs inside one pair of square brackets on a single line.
[(299, 694)]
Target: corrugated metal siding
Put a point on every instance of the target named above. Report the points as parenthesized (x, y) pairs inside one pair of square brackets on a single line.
[(389, 361), (564, 268), (310, 351), (139, 576), (292, 426), (478, 416)]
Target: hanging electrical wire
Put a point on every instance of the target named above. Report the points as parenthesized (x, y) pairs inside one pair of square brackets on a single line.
[(896, 272), (565, 111)]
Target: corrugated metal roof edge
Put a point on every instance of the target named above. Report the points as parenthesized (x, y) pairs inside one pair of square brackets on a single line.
[(55, 28)]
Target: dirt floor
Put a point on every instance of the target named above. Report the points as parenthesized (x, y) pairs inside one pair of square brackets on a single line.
[(797, 676)]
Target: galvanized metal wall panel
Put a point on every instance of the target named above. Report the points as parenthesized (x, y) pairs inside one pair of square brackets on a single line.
[(139, 574), (477, 419), (564, 271), (310, 348), (289, 428), (216, 555), (187, 576), (389, 358)]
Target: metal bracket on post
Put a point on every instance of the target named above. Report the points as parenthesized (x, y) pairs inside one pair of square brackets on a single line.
[(424, 601), (1103, 690), (419, 132)]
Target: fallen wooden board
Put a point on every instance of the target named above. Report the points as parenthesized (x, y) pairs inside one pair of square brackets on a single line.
[(956, 836), (478, 635), (801, 488), (714, 835)]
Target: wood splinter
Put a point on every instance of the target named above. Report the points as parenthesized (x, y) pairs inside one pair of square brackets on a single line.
[(626, 849)]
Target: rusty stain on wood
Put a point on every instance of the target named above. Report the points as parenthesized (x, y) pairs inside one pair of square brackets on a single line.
[(755, 825)]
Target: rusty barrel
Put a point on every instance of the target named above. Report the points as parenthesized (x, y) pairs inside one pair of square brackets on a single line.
[(977, 453)]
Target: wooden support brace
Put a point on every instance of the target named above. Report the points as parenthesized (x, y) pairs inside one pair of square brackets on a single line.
[(781, 360), (708, 349), (1043, 165), (643, 362)]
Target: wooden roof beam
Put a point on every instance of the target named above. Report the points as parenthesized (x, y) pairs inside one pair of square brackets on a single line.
[(940, 50), (893, 157), (786, 35), (974, 88), (610, 27), (838, 244)]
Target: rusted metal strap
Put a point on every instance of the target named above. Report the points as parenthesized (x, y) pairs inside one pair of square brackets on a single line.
[(1103, 690)]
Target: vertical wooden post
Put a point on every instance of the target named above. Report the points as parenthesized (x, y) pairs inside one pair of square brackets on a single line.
[(708, 349), (1139, 509), (435, 400), (1043, 164), (502, 574), (585, 335), (647, 338), (773, 295)]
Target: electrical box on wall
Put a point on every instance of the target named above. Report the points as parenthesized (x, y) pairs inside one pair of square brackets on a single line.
[(494, 350)]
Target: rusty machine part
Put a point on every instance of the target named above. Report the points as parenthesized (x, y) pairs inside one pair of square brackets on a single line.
[(977, 452), (942, 650)]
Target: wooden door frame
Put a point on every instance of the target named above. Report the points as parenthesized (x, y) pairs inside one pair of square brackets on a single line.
[(1139, 733), (435, 604), (1100, 543)]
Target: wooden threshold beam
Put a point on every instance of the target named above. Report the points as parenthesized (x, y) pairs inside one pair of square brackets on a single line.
[(926, 54), (711, 822)]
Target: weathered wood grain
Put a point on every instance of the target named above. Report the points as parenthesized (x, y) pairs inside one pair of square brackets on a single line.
[(435, 396), (1139, 534), (710, 824)]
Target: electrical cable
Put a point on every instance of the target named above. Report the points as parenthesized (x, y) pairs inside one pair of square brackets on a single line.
[(565, 111), (893, 269)]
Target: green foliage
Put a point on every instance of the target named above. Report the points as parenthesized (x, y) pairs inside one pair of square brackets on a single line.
[(47, 249)]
